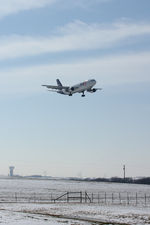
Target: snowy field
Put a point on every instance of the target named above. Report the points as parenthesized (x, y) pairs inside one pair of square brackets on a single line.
[(36, 213)]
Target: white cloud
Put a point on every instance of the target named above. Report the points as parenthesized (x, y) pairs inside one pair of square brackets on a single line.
[(72, 37), (84, 4), (8, 7), (112, 70)]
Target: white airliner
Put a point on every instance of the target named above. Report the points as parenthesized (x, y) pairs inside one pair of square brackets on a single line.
[(78, 88)]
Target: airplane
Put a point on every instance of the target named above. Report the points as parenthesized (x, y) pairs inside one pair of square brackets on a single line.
[(78, 88)]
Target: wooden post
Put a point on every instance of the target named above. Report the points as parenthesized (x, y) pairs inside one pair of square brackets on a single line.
[(127, 198), (16, 196), (85, 197), (80, 196), (145, 199), (67, 196), (120, 198), (136, 199), (112, 198), (105, 197), (92, 198)]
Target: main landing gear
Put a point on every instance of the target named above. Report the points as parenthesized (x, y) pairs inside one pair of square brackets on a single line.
[(83, 95)]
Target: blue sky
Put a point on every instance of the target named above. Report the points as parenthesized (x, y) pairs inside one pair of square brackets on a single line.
[(43, 132)]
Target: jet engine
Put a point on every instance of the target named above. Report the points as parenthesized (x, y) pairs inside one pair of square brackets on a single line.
[(72, 88), (92, 90)]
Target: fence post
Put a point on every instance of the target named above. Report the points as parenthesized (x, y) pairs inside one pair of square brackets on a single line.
[(92, 198), (145, 199), (98, 197), (112, 198), (67, 196), (85, 197), (80, 196), (105, 197), (136, 199), (127, 198), (16, 196), (120, 198)]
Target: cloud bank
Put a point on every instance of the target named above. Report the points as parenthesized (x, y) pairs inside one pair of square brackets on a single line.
[(108, 71), (8, 7), (77, 36)]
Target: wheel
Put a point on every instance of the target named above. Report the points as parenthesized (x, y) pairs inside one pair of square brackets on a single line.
[(83, 95), (70, 94)]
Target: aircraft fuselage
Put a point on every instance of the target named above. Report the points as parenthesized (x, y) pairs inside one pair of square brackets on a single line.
[(81, 87)]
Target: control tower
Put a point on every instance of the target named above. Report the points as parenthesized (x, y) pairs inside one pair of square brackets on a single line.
[(11, 171)]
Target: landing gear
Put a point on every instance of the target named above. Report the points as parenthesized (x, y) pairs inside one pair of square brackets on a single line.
[(70, 94), (83, 95)]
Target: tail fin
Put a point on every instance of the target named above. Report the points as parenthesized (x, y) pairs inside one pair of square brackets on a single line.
[(59, 83)]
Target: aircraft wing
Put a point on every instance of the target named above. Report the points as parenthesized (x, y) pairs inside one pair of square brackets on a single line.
[(98, 89), (56, 87), (94, 90)]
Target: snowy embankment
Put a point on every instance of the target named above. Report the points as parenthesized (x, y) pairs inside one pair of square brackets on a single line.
[(28, 213), (83, 213)]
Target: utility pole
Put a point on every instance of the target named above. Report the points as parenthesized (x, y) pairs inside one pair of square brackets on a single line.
[(124, 172)]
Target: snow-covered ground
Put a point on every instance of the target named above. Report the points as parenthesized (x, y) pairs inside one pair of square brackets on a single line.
[(61, 213), (70, 213), (50, 186)]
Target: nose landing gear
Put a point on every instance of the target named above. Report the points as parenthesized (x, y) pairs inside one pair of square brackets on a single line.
[(83, 95)]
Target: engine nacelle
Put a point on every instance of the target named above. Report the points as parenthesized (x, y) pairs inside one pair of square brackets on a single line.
[(94, 90), (72, 88)]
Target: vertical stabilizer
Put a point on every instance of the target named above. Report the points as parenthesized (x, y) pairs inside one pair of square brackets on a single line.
[(59, 83)]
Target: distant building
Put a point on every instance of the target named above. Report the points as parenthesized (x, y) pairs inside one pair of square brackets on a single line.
[(11, 171)]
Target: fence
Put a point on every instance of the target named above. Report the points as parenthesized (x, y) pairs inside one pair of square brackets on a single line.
[(103, 198)]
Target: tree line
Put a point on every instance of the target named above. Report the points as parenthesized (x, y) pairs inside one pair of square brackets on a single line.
[(130, 180)]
